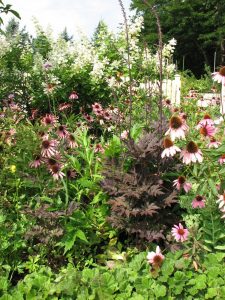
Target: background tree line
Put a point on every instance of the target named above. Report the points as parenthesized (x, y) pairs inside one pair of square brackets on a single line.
[(197, 25)]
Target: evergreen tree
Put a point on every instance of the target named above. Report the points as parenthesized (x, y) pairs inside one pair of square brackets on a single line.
[(198, 26), (42, 44), (12, 29), (65, 35), (101, 28)]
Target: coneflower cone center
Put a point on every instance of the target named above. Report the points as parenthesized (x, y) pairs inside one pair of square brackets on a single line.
[(61, 128), (199, 198), (72, 138), (48, 120), (224, 197), (167, 143), (181, 179), (204, 131), (45, 144), (180, 231), (55, 168), (192, 147), (222, 71), (175, 122), (157, 259), (52, 161), (206, 116), (223, 156)]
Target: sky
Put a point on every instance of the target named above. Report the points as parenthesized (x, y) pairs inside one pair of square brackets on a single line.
[(76, 15)]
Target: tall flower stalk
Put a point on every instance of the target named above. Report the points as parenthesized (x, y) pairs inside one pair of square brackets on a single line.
[(160, 54), (128, 64)]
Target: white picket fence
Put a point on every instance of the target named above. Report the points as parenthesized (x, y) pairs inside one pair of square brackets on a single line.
[(171, 89), (222, 103)]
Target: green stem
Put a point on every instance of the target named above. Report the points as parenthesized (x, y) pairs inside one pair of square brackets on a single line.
[(66, 191)]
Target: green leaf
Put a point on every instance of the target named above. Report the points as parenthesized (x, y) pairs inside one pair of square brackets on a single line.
[(213, 187), (81, 235), (220, 247), (97, 198), (69, 243), (15, 13), (212, 293), (160, 291)]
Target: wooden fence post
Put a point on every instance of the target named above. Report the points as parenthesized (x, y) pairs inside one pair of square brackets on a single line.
[(222, 103), (177, 89)]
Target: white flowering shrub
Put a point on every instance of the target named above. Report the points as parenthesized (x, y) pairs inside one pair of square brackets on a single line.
[(97, 69)]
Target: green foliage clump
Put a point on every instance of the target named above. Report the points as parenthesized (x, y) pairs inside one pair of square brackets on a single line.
[(177, 279)]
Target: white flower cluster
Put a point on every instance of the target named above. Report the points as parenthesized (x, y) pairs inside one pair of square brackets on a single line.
[(99, 67), (169, 48), (83, 53), (135, 27), (60, 53), (4, 45)]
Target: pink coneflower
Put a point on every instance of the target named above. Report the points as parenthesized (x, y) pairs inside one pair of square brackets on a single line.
[(56, 172), (181, 182), (99, 148), (70, 174), (97, 109), (198, 201), (180, 233), (124, 135), (53, 160), (207, 130), (48, 148), (73, 96), (64, 106), (62, 131), (49, 120), (177, 129), (205, 122), (43, 135), (213, 143), (106, 115), (34, 113), (167, 103), (221, 201), (219, 76), (36, 162), (71, 141), (191, 154), (88, 118), (221, 160), (170, 148), (155, 258)]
